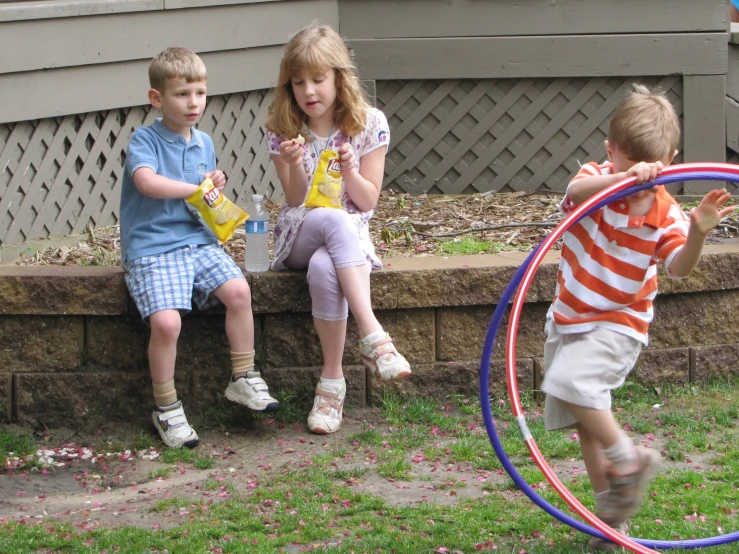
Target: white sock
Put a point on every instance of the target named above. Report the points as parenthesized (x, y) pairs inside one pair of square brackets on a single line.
[(622, 455), (337, 386), (374, 337)]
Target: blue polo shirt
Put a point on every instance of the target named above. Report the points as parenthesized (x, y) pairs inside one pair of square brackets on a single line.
[(151, 225)]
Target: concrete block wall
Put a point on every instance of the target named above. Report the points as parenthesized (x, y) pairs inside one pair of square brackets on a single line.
[(74, 346)]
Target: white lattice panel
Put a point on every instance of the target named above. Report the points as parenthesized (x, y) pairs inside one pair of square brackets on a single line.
[(467, 136), (60, 175)]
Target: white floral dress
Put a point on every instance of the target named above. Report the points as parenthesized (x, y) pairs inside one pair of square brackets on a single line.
[(375, 135)]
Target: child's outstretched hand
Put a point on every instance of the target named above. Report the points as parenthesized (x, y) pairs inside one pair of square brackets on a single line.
[(347, 157), (645, 172), (710, 211), (291, 152)]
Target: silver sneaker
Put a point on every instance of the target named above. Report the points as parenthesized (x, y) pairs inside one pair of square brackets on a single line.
[(173, 427), (252, 392)]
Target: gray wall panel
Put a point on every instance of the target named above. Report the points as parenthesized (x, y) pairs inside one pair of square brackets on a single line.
[(704, 124), (83, 89), (732, 125), (50, 9), (551, 56), (42, 9), (732, 77), (180, 4), (462, 18), (74, 41)]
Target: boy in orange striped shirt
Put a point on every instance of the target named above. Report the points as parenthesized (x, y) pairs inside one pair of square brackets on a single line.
[(607, 280)]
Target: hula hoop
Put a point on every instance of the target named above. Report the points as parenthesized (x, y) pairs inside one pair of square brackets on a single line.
[(523, 277)]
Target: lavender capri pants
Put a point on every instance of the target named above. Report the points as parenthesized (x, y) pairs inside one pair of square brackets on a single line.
[(327, 239)]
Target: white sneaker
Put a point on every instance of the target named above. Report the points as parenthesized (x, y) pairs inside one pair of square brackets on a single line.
[(384, 360), (326, 415), (252, 392), (173, 427)]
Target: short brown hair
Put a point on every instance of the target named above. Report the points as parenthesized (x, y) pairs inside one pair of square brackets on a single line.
[(175, 62), (644, 126)]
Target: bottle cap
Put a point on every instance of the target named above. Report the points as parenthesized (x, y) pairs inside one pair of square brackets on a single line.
[(257, 197)]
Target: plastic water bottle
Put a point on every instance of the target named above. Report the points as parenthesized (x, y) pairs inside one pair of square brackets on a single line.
[(257, 235)]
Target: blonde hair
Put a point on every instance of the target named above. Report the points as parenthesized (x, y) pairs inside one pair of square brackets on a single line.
[(175, 62), (317, 49), (644, 126)]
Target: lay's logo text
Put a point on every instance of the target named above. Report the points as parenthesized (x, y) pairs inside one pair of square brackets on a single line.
[(211, 197), (334, 167)]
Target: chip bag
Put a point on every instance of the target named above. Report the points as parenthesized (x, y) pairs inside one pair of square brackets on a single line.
[(218, 212), (325, 189)]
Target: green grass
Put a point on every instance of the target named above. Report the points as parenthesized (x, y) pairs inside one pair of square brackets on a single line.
[(320, 507), (396, 469), (187, 456), (170, 504), (16, 444), (144, 442), (161, 472), (468, 244)]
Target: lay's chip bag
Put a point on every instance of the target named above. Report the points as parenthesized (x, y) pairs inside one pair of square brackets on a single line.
[(218, 212), (325, 189)]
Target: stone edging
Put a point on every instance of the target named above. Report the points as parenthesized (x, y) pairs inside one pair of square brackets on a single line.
[(403, 283)]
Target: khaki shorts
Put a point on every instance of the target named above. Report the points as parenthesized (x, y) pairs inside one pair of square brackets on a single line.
[(583, 369)]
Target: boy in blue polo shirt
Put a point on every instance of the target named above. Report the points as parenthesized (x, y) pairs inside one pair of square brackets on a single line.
[(170, 257)]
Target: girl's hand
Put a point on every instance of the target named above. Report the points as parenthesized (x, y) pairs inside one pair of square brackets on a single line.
[(291, 153), (347, 157), (710, 211), (218, 177)]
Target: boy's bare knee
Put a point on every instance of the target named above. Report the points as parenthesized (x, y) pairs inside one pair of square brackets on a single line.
[(237, 296), (166, 325), (583, 432)]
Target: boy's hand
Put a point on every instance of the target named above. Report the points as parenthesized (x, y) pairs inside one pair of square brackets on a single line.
[(709, 212), (347, 157), (645, 172), (218, 177), (291, 153)]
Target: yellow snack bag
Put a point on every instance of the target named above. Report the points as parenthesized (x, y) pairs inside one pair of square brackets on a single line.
[(325, 189), (219, 213)]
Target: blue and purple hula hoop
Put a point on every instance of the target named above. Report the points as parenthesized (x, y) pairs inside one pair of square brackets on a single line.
[(521, 281)]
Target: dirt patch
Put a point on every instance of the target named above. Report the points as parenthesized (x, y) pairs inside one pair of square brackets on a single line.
[(123, 492), (115, 490)]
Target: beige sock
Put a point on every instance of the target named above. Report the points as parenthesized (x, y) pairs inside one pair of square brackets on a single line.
[(242, 362), (164, 394), (600, 498)]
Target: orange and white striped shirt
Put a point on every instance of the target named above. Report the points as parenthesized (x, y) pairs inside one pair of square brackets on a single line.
[(608, 270)]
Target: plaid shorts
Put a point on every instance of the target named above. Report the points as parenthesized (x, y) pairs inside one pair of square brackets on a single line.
[(174, 280)]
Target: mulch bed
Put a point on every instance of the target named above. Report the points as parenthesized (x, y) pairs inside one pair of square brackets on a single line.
[(404, 225)]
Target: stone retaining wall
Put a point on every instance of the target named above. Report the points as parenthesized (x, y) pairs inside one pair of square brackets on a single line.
[(74, 347)]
